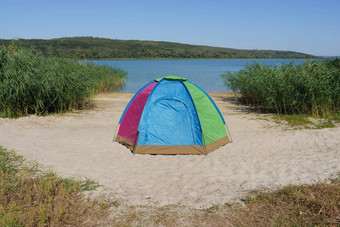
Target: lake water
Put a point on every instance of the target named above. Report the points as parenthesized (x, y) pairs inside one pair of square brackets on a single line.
[(204, 73)]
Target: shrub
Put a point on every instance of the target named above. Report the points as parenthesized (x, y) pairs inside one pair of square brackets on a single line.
[(30, 83), (310, 88)]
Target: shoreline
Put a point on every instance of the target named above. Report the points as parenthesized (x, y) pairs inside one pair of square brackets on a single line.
[(107, 59)]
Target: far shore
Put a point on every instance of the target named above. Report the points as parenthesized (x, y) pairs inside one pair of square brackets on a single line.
[(106, 59)]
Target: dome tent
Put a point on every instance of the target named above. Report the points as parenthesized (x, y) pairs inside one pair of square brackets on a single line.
[(171, 115)]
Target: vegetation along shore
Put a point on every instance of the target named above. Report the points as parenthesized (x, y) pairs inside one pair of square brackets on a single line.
[(102, 48), (34, 84), (311, 88)]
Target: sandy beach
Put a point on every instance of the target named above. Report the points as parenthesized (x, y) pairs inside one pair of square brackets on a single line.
[(263, 155)]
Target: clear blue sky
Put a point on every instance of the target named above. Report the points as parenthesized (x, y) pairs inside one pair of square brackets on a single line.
[(309, 26)]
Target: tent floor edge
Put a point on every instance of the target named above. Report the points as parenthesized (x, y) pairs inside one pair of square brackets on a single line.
[(217, 144), (170, 150), (125, 142)]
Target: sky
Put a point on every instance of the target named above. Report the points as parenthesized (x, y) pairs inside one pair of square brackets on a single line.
[(308, 26)]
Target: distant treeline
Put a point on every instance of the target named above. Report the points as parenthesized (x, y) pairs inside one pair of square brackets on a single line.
[(101, 48)]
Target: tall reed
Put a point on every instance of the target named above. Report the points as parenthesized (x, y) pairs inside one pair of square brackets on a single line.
[(34, 84), (310, 88)]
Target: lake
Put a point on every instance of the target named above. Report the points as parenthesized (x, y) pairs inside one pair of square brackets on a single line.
[(203, 72)]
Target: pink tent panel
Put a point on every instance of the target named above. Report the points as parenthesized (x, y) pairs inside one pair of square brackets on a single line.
[(129, 125)]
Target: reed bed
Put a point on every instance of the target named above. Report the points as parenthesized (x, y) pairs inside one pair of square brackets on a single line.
[(310, 88), (32, 84)]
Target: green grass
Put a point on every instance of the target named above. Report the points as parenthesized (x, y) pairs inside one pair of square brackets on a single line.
[(212, 209), (295, 120), (89, 185), (310, 88), (32, 84), (305, 121)]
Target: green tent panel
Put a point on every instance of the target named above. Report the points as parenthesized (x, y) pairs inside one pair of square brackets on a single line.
[(211, 120)]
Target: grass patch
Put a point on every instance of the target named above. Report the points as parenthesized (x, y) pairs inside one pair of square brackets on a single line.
[(294, 120), (29, 197), (89, 185), (303, 121), (325, 124), (212, 209), (296, 205)]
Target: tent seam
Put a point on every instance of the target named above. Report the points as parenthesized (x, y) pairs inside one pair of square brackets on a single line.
[(147, 101), (198, 117)]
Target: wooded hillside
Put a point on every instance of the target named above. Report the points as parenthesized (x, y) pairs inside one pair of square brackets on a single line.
[(102, 48)]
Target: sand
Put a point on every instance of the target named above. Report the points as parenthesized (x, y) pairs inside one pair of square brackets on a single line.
[(262, 155)]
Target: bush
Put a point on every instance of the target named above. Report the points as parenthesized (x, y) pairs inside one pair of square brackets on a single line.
[(30, 83), (310, 88)]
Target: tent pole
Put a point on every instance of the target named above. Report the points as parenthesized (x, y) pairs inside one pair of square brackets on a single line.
[(229, 135)]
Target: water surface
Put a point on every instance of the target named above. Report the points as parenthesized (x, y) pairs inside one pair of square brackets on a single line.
[(203, 72)]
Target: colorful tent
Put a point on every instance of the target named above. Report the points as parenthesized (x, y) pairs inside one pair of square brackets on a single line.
[(171, 115)]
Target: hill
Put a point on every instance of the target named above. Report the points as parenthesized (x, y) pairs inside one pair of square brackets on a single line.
[(102, 48)]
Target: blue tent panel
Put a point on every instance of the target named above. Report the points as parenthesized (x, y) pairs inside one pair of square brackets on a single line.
[(169, 117)]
